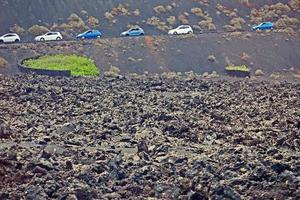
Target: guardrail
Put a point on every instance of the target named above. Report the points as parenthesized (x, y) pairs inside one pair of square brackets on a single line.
[(47, 72)]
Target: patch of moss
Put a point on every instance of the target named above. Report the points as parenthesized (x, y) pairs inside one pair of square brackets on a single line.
[(241, 68), (78, 65)]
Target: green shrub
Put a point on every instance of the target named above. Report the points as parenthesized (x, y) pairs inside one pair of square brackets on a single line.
[(78, 65), (241, 68)]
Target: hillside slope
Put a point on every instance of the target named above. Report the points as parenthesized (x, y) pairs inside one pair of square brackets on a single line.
[(273, 52), (156, 16)]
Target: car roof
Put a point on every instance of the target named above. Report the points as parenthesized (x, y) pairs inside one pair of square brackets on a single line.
[(184, 25), (135, 27), (10, 34)]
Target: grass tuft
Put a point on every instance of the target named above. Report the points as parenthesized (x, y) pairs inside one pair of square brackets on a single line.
[(78, 65), (241, 68)]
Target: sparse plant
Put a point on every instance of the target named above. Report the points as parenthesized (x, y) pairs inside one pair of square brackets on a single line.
[(136, 12), (259, 72), (109, 16), (37, 30), (159, 9), (244, 56), (112, 72), (275, 75), (171, 20), (93, 21), (183, 19), (170, 75), (286, 21), (237, 23), (211, 58), (197, 11), (3, 62), (295, 4), (17, 29)]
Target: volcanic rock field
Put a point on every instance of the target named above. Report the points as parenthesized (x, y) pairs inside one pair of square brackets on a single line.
[(148, 137)]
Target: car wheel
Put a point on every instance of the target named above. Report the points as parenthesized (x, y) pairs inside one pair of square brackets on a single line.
[(175, 33), (17, 40), (42, 39), (142, 34), (127, 34), (190, 32), (1, 41), (58, 38)]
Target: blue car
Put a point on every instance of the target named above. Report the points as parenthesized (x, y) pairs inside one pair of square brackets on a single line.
[(136, 31), (90, 34), (263, 26)]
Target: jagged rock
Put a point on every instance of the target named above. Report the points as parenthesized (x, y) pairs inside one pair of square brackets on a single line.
[(148, 136)]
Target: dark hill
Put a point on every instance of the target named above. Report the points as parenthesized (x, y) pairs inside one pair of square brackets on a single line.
[(116, 15)]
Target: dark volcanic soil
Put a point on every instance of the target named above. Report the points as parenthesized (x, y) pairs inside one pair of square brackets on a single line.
[(271, 52), (139, 137), (49, 12)]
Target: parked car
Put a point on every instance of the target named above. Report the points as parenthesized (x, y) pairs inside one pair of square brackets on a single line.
[(183, 29), (50, 36), (10, 37), (135, 31), (90, 34), (263, 26)]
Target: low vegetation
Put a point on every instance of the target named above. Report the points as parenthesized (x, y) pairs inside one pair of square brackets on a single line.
[(3, 62), (17, 29), (78, 65), (38, 30), (259, 72), (112, 72), (240, 68), (295, 4)]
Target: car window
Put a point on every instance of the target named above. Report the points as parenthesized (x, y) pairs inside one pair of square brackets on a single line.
[(49, 34), (8, 35)]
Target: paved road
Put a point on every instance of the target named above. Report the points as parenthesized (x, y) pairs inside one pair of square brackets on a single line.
[(204, 33)]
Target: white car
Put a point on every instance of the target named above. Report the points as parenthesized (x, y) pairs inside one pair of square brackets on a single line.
[(10, 37), (50, 36), (183, 29)]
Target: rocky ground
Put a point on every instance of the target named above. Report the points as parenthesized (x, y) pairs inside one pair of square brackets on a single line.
[(148, 137)]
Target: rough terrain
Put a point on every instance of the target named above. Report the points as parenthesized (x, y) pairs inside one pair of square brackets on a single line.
[(148, 136)]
